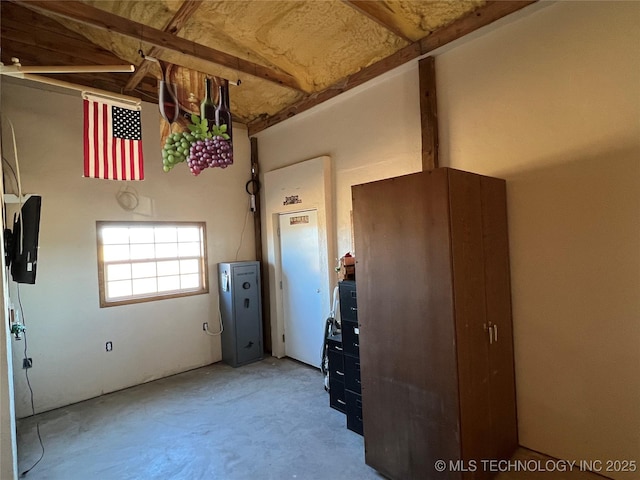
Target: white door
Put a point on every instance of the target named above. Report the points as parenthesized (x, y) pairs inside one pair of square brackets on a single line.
[(301, 286)]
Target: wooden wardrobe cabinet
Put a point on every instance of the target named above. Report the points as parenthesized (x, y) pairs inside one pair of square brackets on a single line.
[(434, 311)]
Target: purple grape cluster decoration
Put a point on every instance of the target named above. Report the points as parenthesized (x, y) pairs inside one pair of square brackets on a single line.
[(210, 153), (202, 148)]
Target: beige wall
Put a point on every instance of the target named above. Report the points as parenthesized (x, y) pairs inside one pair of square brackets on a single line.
[(551, 102), (369, 133), (67, 329)]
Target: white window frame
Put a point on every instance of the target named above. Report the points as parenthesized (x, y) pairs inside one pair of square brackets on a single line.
[(151, 258)]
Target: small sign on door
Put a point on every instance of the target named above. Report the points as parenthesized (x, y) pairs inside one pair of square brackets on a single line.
[(299, 220), (292, 200)]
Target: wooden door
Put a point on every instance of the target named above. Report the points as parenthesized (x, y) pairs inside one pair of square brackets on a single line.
[(498, 305), (407, 335), (467, 244)]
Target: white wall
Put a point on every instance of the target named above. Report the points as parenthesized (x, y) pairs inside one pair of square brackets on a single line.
[(67, 330), (371, 132), (550, 102), (311, 181), (8, 447)]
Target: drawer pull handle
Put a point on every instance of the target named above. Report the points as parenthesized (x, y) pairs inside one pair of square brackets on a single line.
[(338, 348), (354, 309), (340, 401), (339, 372)]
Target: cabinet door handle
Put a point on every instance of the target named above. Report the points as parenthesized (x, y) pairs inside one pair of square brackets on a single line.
[(490, 334), (341, 401), (338, 348), (354, 309), (495, 333), (339, 372)]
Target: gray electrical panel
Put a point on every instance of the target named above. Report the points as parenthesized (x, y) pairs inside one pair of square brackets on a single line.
[(241, 310)]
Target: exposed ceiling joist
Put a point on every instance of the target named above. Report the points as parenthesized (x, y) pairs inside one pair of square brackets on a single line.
[(173, 26), (493, 10), (399, 58), (380, 13), (489, 13), (88, 15)]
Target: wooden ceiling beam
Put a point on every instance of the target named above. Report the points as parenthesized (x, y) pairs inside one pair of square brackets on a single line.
[(489, 13), (380, 13), (173, 26), (428, 113), (94, 17)]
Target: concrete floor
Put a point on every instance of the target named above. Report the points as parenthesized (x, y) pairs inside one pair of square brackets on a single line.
[(267, 420)]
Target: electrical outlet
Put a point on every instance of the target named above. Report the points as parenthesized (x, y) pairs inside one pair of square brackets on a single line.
[(109, 346), (205, 326), (27, 362)]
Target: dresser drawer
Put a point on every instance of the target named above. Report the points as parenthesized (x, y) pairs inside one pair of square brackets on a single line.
[(348, 301), (335, 343), (351, 338), (352, 374), (336, 365), (336, 396), (354, 411)]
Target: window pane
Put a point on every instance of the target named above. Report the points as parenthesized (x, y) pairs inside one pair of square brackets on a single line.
[(189, 234), (168, 268), (121, 288), (191, 249), (190, 266), (142, 270), (189, 281), (144, 285), (114, 253), (143, 261), (166, 235), (142, 251), (166, 250), (118, 272), (167, 284), (141, 234), (113, 235)]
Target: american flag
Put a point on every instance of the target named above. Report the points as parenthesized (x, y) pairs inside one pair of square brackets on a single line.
[(112, 140)]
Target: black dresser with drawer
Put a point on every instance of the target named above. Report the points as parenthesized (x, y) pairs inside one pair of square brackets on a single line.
[(344, 360)]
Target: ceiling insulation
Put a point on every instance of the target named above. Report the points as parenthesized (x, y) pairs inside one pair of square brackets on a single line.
[(285, 52)]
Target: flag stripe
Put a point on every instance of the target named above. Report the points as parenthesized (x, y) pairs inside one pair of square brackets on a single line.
[(96, 140), (140, 162), (112, 151), (106, 135), (86, 137)]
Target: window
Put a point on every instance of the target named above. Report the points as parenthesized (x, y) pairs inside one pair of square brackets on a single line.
[(145, 261)]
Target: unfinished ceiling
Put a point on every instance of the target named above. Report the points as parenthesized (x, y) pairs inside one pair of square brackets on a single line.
[(289, 55)]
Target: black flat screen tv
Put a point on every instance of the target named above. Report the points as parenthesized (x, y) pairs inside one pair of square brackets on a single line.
[(21, 245)]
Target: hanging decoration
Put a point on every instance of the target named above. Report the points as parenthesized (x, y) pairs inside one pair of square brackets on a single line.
[(112, 139), (196, 123)]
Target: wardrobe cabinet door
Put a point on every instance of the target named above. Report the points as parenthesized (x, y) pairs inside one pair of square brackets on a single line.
[(472, 332), (498, 300)]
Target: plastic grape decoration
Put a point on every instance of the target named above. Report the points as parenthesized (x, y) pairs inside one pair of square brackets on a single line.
[(200, 147)]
